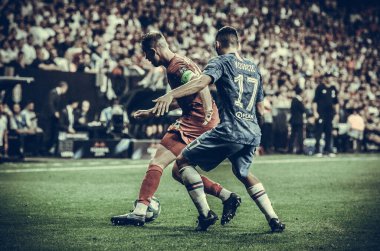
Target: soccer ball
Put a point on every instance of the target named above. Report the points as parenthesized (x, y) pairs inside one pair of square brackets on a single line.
[(153, 211)]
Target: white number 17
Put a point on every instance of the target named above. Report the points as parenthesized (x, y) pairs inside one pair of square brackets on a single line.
[(240, 81)]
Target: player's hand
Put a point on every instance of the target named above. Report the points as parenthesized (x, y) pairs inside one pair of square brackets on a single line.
[(316, 115), (162, 104), (142, 114), (208, 116)]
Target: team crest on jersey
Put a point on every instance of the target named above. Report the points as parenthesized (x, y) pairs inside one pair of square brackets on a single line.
[(324, 91), (333, 94)]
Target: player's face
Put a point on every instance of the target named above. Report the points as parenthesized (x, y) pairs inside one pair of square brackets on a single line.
[(153, 57)]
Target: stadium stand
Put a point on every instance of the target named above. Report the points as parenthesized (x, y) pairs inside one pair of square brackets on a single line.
[(295, 43)]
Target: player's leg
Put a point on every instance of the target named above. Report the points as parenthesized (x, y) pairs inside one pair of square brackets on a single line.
[(241, 163), (194, 185), (150, 183), (199, 153), (328, 128), (210, 187), (318, 134)]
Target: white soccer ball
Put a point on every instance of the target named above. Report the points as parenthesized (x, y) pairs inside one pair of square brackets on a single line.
[(153, 211)]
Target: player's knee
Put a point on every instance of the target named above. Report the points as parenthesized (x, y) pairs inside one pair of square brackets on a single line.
[(155, 166), (240, 174), (181, 162), (157, 162), (175, 173)]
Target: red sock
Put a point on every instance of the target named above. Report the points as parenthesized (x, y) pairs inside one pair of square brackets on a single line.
[(150, 184), (211, 187)]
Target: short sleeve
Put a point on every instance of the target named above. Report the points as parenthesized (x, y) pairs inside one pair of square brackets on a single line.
[(213, 69)]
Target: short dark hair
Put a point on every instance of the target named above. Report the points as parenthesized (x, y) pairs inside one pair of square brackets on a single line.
[(152, 39), (227, 37)]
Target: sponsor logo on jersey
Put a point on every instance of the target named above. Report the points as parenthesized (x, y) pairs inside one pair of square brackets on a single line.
[(245, 116)]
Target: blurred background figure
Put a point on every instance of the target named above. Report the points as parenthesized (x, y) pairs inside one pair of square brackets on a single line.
[(55, 105), (267, 127), (115, 119), (356, 130), (67, 117), (297, 111), (81, 116), (325, 108), (3, 133), (34, 137)]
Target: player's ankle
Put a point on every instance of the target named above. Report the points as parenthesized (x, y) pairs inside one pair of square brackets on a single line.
[(140, 208), (224, 194)]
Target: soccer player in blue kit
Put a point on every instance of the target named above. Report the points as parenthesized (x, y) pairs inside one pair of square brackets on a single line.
[(239, 85)]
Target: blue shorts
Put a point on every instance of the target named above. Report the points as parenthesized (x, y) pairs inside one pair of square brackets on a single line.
[(208, 151)]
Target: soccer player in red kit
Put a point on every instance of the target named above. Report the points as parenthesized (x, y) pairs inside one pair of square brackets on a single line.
[(199, 114)]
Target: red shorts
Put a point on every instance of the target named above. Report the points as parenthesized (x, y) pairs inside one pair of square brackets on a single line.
[(173, 142)]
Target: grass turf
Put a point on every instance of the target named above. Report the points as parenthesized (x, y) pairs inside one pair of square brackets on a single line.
[(325, 203)]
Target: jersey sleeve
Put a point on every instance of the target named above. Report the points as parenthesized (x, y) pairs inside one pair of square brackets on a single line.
[(213, 69), (186, 76), (182, 71)]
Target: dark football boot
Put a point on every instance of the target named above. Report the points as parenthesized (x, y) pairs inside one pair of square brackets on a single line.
[(229, 208), (128, 219), (276, 225), (205, 222)]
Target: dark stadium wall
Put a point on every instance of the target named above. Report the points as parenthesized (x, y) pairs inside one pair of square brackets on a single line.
[(82, 86)]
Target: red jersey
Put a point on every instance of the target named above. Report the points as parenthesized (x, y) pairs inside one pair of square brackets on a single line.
[(190, 125)]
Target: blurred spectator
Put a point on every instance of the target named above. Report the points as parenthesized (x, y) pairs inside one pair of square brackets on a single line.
[(325, 108), (18, 120), (81, 117), (266, 139), (67, 117), (19, 64), (53, 114), (114, 118), (292, 41), (3, 132), (297, 110), (356, 129)]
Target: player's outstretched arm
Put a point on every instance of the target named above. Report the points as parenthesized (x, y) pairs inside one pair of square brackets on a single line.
[(194, 86)]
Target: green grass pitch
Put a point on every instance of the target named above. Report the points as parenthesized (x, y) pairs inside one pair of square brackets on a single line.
[(326, 203)]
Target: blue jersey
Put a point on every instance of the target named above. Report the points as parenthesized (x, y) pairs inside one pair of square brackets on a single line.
[(239, 86)]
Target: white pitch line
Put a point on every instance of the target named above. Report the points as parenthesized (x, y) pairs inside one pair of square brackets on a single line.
[(136, 166), (70, 169)]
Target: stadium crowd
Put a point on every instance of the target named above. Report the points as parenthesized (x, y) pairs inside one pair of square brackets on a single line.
[(295, 44)]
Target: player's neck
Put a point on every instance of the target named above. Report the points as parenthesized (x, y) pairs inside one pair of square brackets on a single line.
[(232, 51), (167, 57)]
